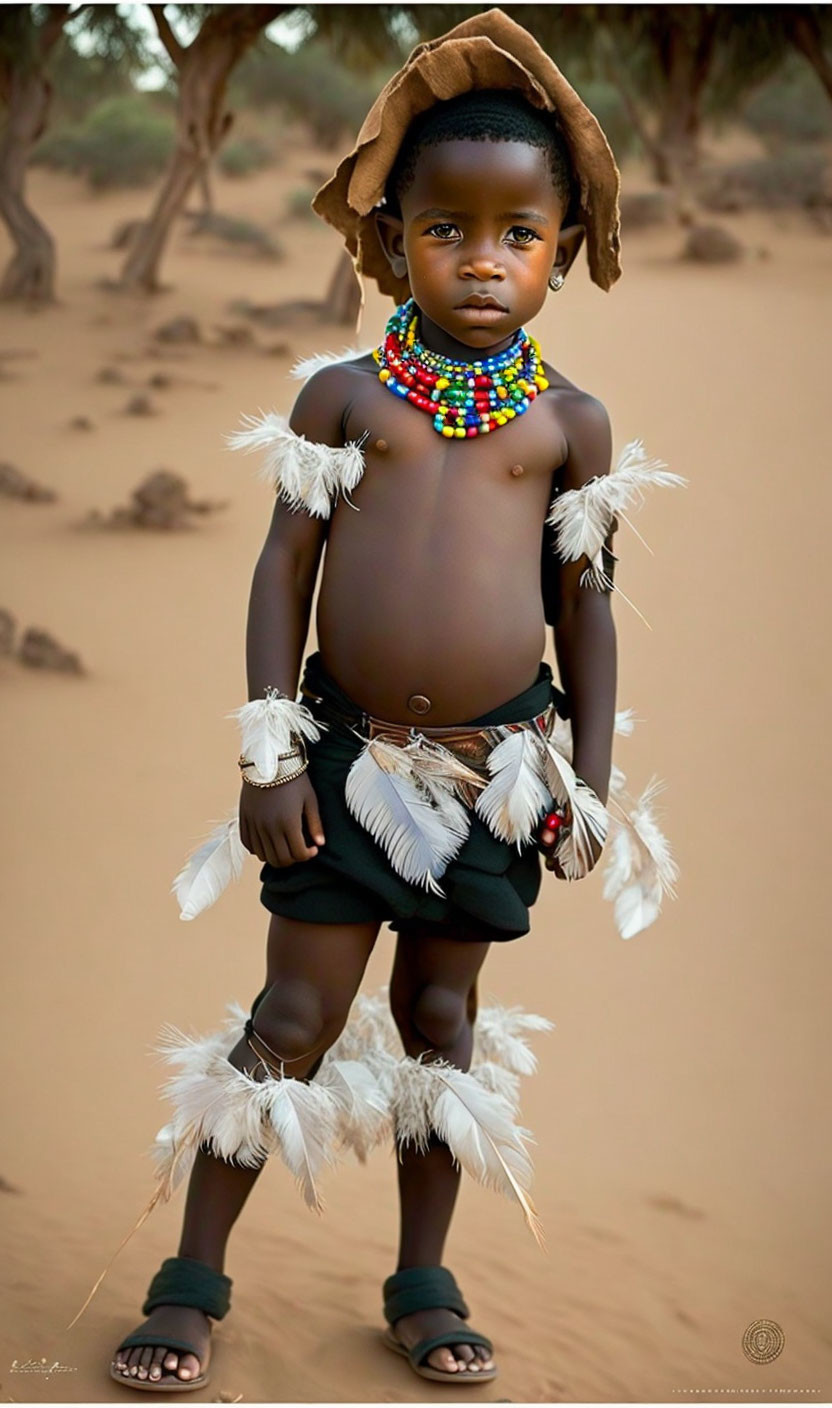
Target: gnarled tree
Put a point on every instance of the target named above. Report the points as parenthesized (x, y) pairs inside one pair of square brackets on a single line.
[(25, 92), (202, 69)]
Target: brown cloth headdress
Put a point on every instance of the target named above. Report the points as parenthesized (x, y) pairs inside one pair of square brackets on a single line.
[(489, 50)]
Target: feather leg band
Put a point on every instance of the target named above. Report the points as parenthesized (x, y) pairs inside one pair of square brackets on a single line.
[(305, 474)]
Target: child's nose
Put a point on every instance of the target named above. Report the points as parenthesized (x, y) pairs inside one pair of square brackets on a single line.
[(482, 265)]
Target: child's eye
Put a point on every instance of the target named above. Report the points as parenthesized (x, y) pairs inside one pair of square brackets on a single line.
[(524, 230), (443, 225)]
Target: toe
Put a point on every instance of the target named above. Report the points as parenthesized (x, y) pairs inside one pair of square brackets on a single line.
[(156, 1370), (188, 1366), (171, 1361), (442, 1358)]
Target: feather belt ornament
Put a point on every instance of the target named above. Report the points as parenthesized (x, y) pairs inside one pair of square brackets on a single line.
[(415, 800), (365, 1092)]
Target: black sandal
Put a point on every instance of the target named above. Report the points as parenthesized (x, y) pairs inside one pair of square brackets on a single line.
[(427, 1288), (181, 1280)]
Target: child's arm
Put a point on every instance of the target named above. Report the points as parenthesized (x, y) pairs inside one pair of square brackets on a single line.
[(584, 630), (279, 611)]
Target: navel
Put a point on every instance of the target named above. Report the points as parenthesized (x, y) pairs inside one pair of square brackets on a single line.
[(419, 703)]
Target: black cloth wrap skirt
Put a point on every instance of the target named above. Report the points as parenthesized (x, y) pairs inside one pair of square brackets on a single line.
[(489, 885)]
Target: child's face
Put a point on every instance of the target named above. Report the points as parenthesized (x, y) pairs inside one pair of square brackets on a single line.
[(481, 219)]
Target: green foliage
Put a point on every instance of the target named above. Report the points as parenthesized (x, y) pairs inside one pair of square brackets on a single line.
[(790, 107), (298, 203), (242, 157), (124, 141), (604, 101), (236, 231), (793, 176), (309, 85)]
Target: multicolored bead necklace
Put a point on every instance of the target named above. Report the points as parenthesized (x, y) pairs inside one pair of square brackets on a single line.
[(464, 398)]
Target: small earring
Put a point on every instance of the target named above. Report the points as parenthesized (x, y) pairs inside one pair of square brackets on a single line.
[(399, 266), (556, 281)]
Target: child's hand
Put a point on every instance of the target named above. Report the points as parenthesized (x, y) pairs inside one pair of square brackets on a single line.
[(272, 821), (547, 839)]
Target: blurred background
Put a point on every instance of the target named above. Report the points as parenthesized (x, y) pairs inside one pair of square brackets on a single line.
[(160, 272)]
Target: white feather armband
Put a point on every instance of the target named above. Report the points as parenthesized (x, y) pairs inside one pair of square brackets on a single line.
[(267, 726), (305, 474), (583, 517)]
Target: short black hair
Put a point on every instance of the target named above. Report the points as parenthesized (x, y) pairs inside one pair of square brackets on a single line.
[(492, 114)]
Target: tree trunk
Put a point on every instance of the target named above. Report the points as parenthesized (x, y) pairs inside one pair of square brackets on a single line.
[(204, 67), (806, 36), (685, 54), (343, 297), (30, 274)]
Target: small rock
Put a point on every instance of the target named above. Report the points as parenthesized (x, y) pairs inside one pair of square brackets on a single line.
[(15, 485), (235, 336), (139, 406), (181, 329), (278, 349), (711, 244), (81, 423), (159, 381), (110, 376), (644, 208), (41, 651), (8, 627)]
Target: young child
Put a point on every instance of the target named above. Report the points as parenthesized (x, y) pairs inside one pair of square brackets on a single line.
[(462, 488)]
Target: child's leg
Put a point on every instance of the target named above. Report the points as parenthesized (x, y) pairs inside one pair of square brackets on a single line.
[(433, 998), (313, 972)]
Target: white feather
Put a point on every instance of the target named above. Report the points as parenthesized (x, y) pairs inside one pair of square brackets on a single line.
[(517, 794), (267, 726), (364, 1115), (306, 367), (590, 818), (498, 1037), (209, 869), (382, 795), (305, 474), (583, 517), (625, 719), (640, 868)]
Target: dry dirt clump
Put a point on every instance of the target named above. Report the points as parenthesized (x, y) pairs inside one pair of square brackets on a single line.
[(711, 244), (642, 209), (15, 485), (40, 651), (161, 501), (180, 330)]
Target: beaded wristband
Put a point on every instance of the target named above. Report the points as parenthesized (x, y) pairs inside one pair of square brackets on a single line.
[(271, 728)]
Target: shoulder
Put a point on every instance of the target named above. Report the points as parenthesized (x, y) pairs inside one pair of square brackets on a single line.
[(321, 405), (586, 424)]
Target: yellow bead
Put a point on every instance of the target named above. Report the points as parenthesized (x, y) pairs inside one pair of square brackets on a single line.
[(460, 432), (541, 382), (524, 385), (500, 419), (384, 374), (447, 430), (510, 412), (442, 383), (502, 393)]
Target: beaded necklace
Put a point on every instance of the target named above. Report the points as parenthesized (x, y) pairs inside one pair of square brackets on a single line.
[(464, 398)]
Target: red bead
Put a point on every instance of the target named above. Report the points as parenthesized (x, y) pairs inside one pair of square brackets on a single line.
[(482, 380), (472, 430), (553, 821)]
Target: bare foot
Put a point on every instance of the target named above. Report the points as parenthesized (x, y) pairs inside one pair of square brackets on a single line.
[(156, 1362), (465, 1359)]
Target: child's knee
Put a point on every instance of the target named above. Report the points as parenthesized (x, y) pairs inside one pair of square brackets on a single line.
[(294, 1021), (439, 1015)]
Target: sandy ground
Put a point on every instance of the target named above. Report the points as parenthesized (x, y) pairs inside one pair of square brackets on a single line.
[(683, 1160)]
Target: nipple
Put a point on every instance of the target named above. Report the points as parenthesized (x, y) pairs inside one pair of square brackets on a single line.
[(517, 469), (381, 445)]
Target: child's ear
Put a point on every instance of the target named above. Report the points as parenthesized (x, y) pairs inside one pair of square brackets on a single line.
[(390, 231), (570, 239)]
